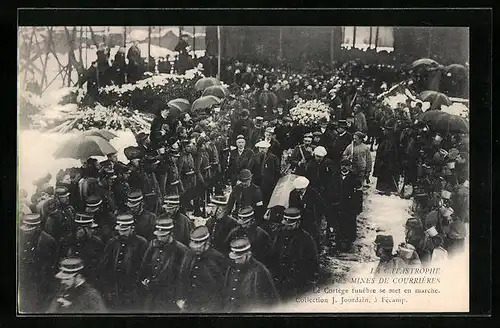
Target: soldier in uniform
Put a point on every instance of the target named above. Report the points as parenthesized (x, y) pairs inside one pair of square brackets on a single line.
[(144, 220), (245, 193), (248, 283), (37, 264), (202, 275), (61, 215), (302, 154), (266, 170), (296, 257), (160, 269), (121, 188), (105, 188), (151, 187), (102, 216), (76, 295), (173, 182), (119, 268), (247, 227), (239, 159), (219, 224), (85, 245), (182, 223)]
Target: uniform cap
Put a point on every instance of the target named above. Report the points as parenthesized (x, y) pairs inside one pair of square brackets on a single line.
[(171, 200), (291, 214), (69, 268), (259, 118), (342, 123), (134, 198), (320, 151), (219, 200), (308, 135), (163, 227), (246, 212), (270, 129), (124, 221), (84, 219), (263, 144), (300, 182), (239, 247), (61, 192), (317, 134), (93, 201), (200, 234), (245, 175), (240, 137), (31, 220), (385, 241)]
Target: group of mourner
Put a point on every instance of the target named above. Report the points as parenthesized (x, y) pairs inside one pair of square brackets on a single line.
[(126, 237)]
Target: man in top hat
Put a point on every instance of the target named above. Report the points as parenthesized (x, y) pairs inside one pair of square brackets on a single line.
[(59, 222), (202, 275), (245, 193), (347, 203), (102, 216), (265, 169), (144, 220), (360, 156), (76, 294), (301, 154), (37, 264), (248, 284), (219, 223), (183, 225), (275, 146), (384, 245), (119, 268), (319, 171), (248, 227), (159, 273), (295, 261), (239, 159)]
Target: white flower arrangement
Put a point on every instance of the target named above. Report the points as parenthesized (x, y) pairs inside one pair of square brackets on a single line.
[(310, 112)]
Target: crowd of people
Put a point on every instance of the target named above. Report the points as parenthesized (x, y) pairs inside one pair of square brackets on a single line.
[(123, 237)]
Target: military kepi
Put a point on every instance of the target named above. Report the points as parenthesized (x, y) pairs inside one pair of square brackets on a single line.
[(124, 222), (239, 247), (69, 268), (200, 234), (163, 227)]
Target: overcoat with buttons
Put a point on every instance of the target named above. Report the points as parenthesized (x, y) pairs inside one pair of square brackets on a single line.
[(119, 271), (202, 276), (145, 224), (249, 286), (219, 227), (161, 264), (262, 244)]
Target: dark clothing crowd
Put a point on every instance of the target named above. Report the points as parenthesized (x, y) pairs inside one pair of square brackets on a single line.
[(186, 225)]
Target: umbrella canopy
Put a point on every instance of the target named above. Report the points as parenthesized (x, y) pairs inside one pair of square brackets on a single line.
[(430, 115), (435, 98), (206, 82), (455, 70), (268, 99), (424, 62), (179, 103), (100, 133), (449, 123), (216, 90), (205, 102), (84, 147)]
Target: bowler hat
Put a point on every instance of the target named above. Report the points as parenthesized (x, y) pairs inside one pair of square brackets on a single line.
[(245, 175)]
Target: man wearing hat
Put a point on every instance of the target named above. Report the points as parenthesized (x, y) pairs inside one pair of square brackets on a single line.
[(119, 267), (98, 75), (248, 284), (183, 49), (214, 158), (186, 165), (102, 216), (344, 138), (301, 154), (182, 223), (84, 244), (347, 203), (265, 169), (319, 171), (243, 126), (245, 193), (37, 264), (173, 183), (159, 273), (119, 68), (296, 257), (275, 146), (247, 227), (144, 220), (258, 131), (202, 275), (421, 240), (61, 215), (239, 159), (106, 187), (121, 187), (219, 223), (387, 164), (360, 119), (203, 170), (384, 245), (360, 156), (442, 217), (76, 294)]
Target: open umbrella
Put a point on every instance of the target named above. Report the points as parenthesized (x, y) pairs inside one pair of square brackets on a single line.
[(179, 103), (424, 62), (430, 115), (450, 123), (216, 90), (100, 133), (435, 98), (268, 99), (206, 82), (205, 102), (84, 147), (455, 70)]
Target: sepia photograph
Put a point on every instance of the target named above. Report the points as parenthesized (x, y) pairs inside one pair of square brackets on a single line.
[(242, 169)]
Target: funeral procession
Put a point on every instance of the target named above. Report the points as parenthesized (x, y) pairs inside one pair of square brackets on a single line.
[(218, 169)]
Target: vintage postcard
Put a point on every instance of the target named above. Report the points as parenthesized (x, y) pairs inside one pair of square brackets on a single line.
[(235, 169)]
